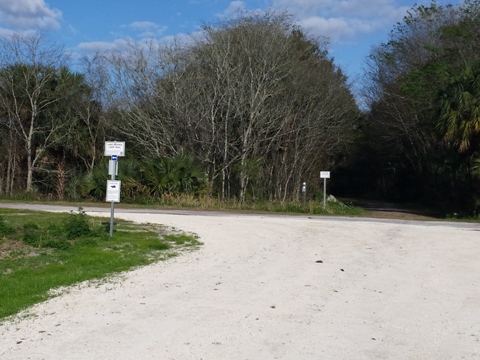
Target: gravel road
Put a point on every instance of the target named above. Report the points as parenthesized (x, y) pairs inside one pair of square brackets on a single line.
[(273, 287)]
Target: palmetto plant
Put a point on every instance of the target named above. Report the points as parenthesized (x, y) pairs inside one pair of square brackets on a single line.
[(150, 177), (95, 182), (130, 175), (128, 172), (172, 176), (460, 109)]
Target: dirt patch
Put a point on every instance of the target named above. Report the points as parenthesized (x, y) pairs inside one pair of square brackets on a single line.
[(386, 210), (12, 248), (400, 215)]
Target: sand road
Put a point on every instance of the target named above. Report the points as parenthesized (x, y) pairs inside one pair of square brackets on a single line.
[(275, 287)]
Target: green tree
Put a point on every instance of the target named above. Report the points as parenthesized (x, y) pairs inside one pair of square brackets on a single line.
[(460, 110), (70, 151), (418, 100)]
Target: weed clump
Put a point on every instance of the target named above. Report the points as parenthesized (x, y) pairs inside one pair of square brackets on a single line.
[(31, 234), (77, 225), (75, 228), (5, 229)]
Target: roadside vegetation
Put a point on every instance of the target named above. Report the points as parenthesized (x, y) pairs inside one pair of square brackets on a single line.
[(42, 252), (313, 204)]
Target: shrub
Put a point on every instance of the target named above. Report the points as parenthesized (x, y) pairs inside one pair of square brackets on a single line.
[(77, 225)]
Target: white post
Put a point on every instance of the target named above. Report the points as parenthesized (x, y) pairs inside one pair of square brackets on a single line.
[(112, 206), (304, 194), (324, 175), (324, 192)]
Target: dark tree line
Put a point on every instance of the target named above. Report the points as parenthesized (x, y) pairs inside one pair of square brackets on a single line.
[(420, 135)]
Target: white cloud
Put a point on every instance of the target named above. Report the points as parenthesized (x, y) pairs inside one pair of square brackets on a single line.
[(332, 28), (29, 14), (144, 32), (146, 29), (6, 33), (304, 8), (138, 33), (233, 9), (104, 46), (123, 44), (345, 20), (385, 11), (143, 25)]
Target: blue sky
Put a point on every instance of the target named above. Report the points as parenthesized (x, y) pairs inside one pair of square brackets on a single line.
[(352, 26)]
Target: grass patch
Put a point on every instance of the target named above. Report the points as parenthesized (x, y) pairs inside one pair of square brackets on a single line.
[(208, 202), (182, 239), (185, 201), (41, 252)]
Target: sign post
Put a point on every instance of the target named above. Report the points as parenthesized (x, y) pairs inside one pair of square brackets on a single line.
[(113, 149), (324, 175), (304, 194)]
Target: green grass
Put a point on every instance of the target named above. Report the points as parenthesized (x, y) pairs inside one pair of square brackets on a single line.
[(30, 271)]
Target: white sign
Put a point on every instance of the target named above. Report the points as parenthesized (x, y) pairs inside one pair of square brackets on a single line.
[(324, 174), (114, 148), (113, 190)]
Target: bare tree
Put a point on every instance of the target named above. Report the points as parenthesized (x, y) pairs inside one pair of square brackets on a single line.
[(271, 87), (90, 110), (135, 97), (253, 99), (28, 88)]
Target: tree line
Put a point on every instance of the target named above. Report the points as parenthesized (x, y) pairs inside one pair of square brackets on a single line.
[(250, 109), (420, 137), (253, 102)]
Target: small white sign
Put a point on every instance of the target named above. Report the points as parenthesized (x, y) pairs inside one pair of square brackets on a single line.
[(113, 190), (115, 148), (324, 174)]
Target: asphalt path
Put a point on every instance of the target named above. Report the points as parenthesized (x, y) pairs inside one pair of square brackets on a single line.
[(122, 210)]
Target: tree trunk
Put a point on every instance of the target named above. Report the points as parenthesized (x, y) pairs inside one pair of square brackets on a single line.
[(29, 171), (61, 178)]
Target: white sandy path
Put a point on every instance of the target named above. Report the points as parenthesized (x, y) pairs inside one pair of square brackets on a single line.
[(385, 290)]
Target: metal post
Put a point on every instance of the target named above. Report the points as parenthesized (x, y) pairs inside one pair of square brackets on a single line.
[(324, 192), (304, 194), (324, 175), (112, 206)]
